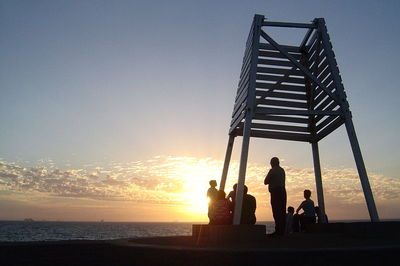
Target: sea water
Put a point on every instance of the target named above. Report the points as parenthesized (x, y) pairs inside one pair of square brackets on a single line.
[(22, 231)]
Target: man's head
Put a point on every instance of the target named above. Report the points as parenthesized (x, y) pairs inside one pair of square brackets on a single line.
[(213, 183), (245, 189), (290, 209), (274, 161), (221, 195), (307, 194), (234, 187)]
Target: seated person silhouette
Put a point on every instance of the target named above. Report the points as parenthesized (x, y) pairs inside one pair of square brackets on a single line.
[(319, 216), (248, 208), (308, 216), (211, 195), (221, 210), (231, 196), (289, 220)]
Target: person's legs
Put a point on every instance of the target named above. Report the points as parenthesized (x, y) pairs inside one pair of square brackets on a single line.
[(278, 205), (275, 208), (281, 211), (296, 223)]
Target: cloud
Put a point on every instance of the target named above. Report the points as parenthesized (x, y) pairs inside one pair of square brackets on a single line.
[(173, 180)]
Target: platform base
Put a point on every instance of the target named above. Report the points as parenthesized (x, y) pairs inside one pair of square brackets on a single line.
[(227, 233)]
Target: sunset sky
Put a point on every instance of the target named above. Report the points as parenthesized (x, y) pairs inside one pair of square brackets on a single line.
[(119, 110)]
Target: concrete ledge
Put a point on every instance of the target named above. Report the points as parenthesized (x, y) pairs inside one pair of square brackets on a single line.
[(357, 228), (227, 233)]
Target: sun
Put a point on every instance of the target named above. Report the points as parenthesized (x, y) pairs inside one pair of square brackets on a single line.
[(195, 176)]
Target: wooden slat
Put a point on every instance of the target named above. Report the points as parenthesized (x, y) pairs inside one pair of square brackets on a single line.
[(239, 110), (322, 66), (283, 95), (280, 135), (243, 81), (281, 103), (245, 69), (281, 87), (278, 71), (274, 62), (280, 78), (290, 49), (318, 90), (245, 64), (280, 127), (321, 94), (324, 104), (312, 58), (276, 111), (321, 97), (297, 64), (242, 91), (239, 103), (324, 123), (264, 53), (236, 120), (312, 41), (278, 118), (324, 74), (330, 128), (289, 24), (305, 39), (326, 83), (320, 125), (311, 52)]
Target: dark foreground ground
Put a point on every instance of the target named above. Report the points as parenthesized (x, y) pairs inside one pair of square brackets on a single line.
[(297, 249)]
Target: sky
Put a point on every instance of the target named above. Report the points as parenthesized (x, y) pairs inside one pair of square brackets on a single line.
[(120, 110)]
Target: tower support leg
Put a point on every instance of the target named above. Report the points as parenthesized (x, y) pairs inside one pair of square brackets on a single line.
[(362, 172), (242, 171), (318, 180), (228, 155)]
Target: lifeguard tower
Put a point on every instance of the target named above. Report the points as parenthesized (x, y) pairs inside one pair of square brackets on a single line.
[(291, 93)]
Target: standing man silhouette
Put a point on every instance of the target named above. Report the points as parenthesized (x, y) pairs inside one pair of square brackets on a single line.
[(275, 180)]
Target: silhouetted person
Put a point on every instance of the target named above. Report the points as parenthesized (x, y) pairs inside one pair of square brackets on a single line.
[(289, 220), (308, 216), (275, 180), (221, 210), (232, 195), (248, 208), (319, 216), (211, 195)]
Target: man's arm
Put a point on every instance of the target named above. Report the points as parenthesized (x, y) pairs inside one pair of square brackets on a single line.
[(299, 208), (267, 178)]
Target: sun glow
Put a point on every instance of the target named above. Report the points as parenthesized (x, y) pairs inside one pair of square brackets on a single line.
[(195, 175)]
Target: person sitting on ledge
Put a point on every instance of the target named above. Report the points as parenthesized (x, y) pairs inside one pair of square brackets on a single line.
[(248, 208), (231, 196), (289, 220), (308, 216), (211, 195), (221, 210)]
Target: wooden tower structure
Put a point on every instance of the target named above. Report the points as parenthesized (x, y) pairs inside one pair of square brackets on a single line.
[(291, 93)]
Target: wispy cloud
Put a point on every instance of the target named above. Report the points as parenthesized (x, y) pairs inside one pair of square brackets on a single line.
[(172, 180)]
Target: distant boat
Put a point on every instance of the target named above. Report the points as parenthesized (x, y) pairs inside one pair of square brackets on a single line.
[(28, 220)]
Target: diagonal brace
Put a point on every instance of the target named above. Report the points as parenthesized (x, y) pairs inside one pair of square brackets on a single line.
[(298, 65)]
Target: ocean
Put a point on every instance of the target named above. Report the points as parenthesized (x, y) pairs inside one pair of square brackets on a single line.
[(23, 231)]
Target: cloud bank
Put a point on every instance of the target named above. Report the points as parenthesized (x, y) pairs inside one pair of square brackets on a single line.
[(174, 180)]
